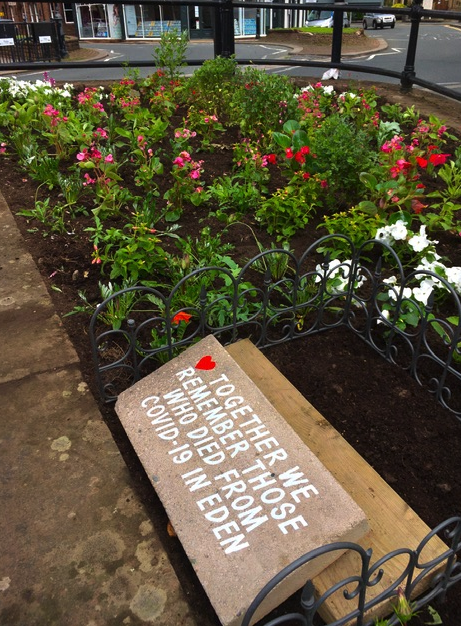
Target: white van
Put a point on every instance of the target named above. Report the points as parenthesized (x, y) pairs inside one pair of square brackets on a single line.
[(324, 19)]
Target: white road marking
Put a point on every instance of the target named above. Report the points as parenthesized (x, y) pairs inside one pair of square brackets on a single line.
[(378, 54)]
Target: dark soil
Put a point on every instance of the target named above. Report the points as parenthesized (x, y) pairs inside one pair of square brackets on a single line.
[(411, 441)]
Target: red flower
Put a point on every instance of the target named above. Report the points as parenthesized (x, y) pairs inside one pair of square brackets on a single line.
[(182, 316), (305, 150), (421, 162), (271, 158), (306, 175), (289, 153), (299, 157), (438, 159), (417, 206)]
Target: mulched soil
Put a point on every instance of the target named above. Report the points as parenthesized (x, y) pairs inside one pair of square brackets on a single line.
[(411, 441)]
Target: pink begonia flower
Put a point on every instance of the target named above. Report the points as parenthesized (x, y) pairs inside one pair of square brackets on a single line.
[(179, 162), (185, 155), (95, 154), (82, 156), (109, 159), (88, 180), (195, 174), (101, 132), (200, 189), (140, 138)]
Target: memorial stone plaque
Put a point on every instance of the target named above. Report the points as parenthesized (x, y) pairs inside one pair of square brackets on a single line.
[(245, 495)]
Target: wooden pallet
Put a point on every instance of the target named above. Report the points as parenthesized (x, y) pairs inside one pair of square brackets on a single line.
[(393, 523)]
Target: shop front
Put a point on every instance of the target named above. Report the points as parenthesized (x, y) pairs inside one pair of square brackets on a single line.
[(143, 21), (99, 21)]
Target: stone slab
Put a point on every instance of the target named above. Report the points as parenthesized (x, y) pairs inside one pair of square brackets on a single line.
[(245, 495), (78, 544)]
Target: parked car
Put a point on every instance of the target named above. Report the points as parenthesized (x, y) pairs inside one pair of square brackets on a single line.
[(324, 19), (378, 20)]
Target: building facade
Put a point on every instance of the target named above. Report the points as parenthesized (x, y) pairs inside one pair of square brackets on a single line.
[(148, 21)]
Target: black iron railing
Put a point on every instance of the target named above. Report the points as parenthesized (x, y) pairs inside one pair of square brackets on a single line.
[(224, 41), (277, 298), (444, 572), (24, 43)]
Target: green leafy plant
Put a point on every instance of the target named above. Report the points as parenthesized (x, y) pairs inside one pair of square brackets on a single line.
[(235, 197), (212, 85), (263, 101), (170, 54)]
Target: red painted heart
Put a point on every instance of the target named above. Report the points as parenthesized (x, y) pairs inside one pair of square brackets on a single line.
[(205, 363)]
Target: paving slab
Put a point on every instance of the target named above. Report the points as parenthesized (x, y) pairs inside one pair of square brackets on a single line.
[(244, 493), (77, 544)]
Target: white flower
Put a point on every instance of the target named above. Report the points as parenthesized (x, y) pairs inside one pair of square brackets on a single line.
[(423, 292), (398, 230), (419, 242), (383, 234), (394, 292), (386, 314), (453, 275), (390, 281), (328, 89)]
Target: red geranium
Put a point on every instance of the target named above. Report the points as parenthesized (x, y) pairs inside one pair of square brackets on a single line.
[(182, 316)]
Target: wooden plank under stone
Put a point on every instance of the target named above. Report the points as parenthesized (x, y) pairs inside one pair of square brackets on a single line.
[(393, 523)]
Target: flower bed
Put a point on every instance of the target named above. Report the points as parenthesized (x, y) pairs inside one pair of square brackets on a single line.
[(147, 180)]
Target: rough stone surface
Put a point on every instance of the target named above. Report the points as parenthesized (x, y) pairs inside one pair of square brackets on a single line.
[(245, 495), (77, 545)]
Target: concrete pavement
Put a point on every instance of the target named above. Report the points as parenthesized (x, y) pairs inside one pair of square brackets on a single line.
[(77, 544)]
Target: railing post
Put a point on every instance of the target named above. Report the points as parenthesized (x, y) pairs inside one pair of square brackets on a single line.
[(408, 73), (227, 26), (62, 50), (217, 37), (338, 20)]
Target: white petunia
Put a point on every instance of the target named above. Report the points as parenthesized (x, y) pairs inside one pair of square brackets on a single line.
[(424, 290), (420, 242), (453, 275), (398, 230)]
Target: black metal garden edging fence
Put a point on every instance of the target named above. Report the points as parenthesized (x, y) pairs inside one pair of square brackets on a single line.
[(276, 298), (224, 41), (368, 574)]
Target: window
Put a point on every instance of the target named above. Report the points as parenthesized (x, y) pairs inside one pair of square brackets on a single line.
[(68, 13)]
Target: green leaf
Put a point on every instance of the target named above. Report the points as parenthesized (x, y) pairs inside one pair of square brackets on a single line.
[(368, 207), (291, 126), (283, 140), (368, 180), (172, 216)]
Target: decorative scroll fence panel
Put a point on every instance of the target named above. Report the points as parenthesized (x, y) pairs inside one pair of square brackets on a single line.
[(356, 587), (276, 298)]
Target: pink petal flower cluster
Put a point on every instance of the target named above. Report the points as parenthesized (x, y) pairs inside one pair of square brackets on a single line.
[(100, 133), (93, 154), (54, 115)]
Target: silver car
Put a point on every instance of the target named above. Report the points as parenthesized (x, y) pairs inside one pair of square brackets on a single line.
[(378, 20)]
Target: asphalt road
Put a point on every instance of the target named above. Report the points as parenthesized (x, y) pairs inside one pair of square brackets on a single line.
[(437, 59), (437, 56)]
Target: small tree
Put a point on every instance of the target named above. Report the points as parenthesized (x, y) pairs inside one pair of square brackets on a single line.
[(170, 55)]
